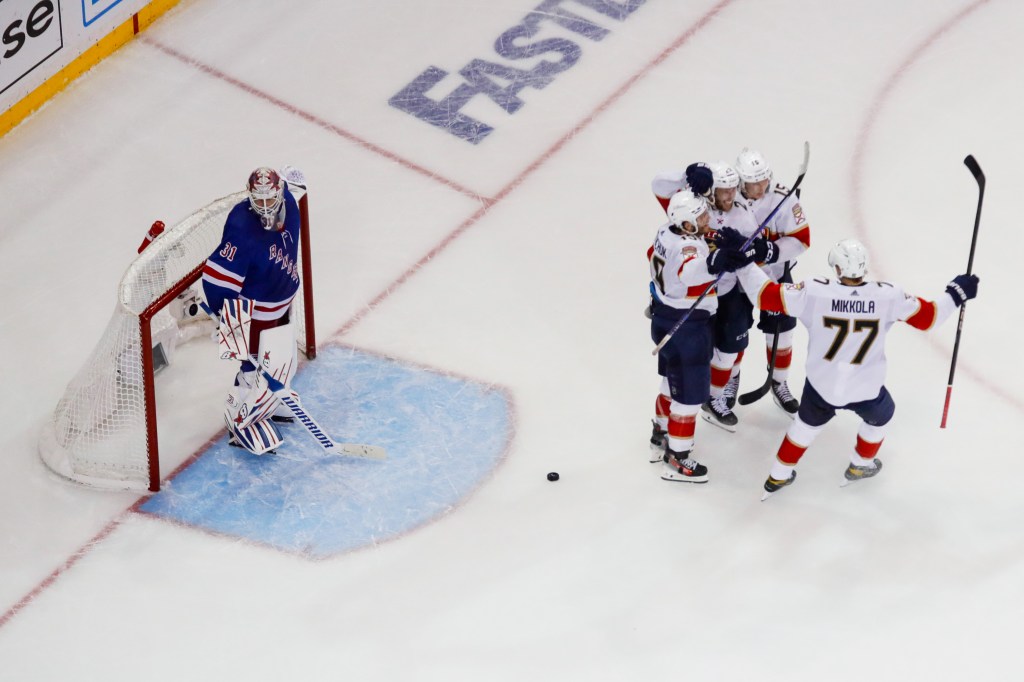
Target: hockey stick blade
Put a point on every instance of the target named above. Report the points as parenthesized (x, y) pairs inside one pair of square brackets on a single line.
[(762, 390), (291, 400), (972, 165), (755, 395), (746, 245)]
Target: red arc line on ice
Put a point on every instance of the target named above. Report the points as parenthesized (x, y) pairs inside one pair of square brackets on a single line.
[(857, 181)]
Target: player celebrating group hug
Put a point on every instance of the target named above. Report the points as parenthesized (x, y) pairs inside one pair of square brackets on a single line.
[(729, 245)]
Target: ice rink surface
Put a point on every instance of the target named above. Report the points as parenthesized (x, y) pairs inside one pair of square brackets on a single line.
[(514, 258)]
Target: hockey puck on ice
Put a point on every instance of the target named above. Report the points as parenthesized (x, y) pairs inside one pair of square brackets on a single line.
[(553, 476)]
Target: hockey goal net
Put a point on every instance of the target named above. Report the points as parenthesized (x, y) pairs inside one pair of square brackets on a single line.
[(103, 431)]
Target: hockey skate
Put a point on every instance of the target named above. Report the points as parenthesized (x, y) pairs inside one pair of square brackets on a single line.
[(773, 485), (679, 467), (259, 438), (784, 399), (717, 412), (731, 390), (659, 442), (859, 473)]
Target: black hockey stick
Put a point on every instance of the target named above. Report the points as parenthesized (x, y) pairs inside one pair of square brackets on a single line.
[(762, 390), (746, 245), (972, 165)]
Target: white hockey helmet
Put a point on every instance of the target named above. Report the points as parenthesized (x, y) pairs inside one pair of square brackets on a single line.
[(752, 166), (725, 176), (686, 207), (266, 192), (850, 258)]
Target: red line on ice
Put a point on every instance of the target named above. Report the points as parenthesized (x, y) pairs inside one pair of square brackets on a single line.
[(857, 179)]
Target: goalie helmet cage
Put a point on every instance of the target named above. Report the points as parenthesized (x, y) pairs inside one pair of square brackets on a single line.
[(103, 432)]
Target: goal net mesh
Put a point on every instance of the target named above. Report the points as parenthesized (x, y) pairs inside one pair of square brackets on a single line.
[(98, 432)]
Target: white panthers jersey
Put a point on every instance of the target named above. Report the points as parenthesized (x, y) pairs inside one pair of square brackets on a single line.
[(740, 219), (679, 270), (788, 228), (846, 328), (666, 184)]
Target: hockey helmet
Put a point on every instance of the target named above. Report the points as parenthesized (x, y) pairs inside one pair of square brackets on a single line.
[(725, 175), (686, 207), (266, 192), (752, 166), (849, 258)]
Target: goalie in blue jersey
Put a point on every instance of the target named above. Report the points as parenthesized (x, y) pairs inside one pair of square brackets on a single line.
[(250, 279)]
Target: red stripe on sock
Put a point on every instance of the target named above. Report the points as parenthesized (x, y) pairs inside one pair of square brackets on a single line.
[(720, 377), (681, 427), (662, 406), (867, 449), (783, 358), (789, 452)]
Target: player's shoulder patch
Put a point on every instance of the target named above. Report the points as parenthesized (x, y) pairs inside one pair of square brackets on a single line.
[(689, 250), (794, 286), (798, 214)]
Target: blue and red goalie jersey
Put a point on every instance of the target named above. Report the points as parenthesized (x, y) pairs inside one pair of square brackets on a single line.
[(254, 263)]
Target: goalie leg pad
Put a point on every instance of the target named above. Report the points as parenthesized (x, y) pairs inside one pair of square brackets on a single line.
[(258, 438), (279, 357), (249, 401)]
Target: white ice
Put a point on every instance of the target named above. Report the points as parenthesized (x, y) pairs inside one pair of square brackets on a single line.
[(537, 286)]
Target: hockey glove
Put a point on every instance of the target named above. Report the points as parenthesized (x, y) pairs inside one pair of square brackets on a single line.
[(726, 260), (763, 251), (729, 238), (699, 178), (962, 289)]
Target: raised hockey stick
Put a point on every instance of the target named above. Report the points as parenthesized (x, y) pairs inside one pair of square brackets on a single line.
[(972, 165), (291, 400), (762, 390), (746, 244)]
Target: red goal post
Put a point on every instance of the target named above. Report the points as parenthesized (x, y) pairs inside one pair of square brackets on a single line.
[(104, 430)]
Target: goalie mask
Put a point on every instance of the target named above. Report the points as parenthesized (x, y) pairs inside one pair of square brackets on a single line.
[(266, 194), (849, 259), (688, 212)]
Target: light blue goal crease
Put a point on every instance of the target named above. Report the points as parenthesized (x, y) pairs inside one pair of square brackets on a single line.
[(444, 435)]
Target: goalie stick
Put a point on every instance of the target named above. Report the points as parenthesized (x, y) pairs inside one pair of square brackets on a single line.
[(979, 177), (291, 400), (762, 390), (746, 244)]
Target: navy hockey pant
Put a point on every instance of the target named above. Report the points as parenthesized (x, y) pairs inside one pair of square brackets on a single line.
[(686, 359), (815, 411)]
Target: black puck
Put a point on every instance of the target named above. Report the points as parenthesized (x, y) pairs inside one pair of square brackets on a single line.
[(553, 476)]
